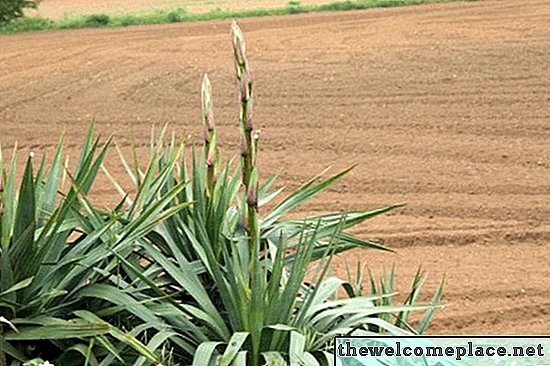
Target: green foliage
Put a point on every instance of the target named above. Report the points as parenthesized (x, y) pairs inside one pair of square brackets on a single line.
[(346, 5), (97, 20), (128, 20), (13, 9), (35, 294), (27, 24), (56, 259), (176, 15), (294, 7)]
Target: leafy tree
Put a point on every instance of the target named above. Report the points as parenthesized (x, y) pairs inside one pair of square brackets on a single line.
[(12, 9)]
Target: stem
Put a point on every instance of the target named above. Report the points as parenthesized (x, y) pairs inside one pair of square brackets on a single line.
[(252, 206)]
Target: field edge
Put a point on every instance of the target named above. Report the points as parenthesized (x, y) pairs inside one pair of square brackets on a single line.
[(179, 15)]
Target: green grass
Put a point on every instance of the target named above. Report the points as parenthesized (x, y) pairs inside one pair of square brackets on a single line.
[(180, 15)]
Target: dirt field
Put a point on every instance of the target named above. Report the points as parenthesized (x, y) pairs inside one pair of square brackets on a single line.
[(444, 107)]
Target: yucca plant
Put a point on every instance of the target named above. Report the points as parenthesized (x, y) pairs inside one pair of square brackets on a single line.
[(59, 256), (35, 234), (234, 284)]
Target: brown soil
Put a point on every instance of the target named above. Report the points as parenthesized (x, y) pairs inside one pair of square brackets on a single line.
[(445, 107)]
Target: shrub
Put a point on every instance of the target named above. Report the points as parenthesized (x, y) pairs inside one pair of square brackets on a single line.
[(128, 20), (12, 9), (176, 15), (27, 24), (97, 20), (294, 7), (344, 5)]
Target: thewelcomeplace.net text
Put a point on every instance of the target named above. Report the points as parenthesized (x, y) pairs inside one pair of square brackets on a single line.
[(347, 349)]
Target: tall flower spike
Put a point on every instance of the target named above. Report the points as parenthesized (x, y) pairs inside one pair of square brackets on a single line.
[(248, 145), (245, 96), (210, 145)]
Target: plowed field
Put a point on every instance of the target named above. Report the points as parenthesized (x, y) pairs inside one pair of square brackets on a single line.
[(444, 107)]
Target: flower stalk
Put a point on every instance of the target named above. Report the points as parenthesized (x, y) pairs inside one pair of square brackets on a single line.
[(245, 98), (248, 138), (210, 144)]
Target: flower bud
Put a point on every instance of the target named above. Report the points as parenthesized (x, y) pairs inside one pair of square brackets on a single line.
[(239, 48), (206, 99), (244, 151), (252, 196), (246, 86)]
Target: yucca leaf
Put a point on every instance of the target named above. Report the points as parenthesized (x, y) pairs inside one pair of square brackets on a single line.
[(10, 350), (18, 286), (155, 343), (135, 344), (205, 354), (189, 282), (423, 325), (304, 193), (108, 346), (416, 289), (58, 330), (7, 276), (119, 297), (240, 359), (124, 337), (46, 201), (233, 348), (309, 360), (86, 146), (9, 200), (272, 358), (296, 348), (133, 172), (119, 189), (138, 174), (328, 224), (23, 254), (195, 331)]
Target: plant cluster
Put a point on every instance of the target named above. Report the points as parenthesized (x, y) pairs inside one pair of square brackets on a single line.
[(188, 270)]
